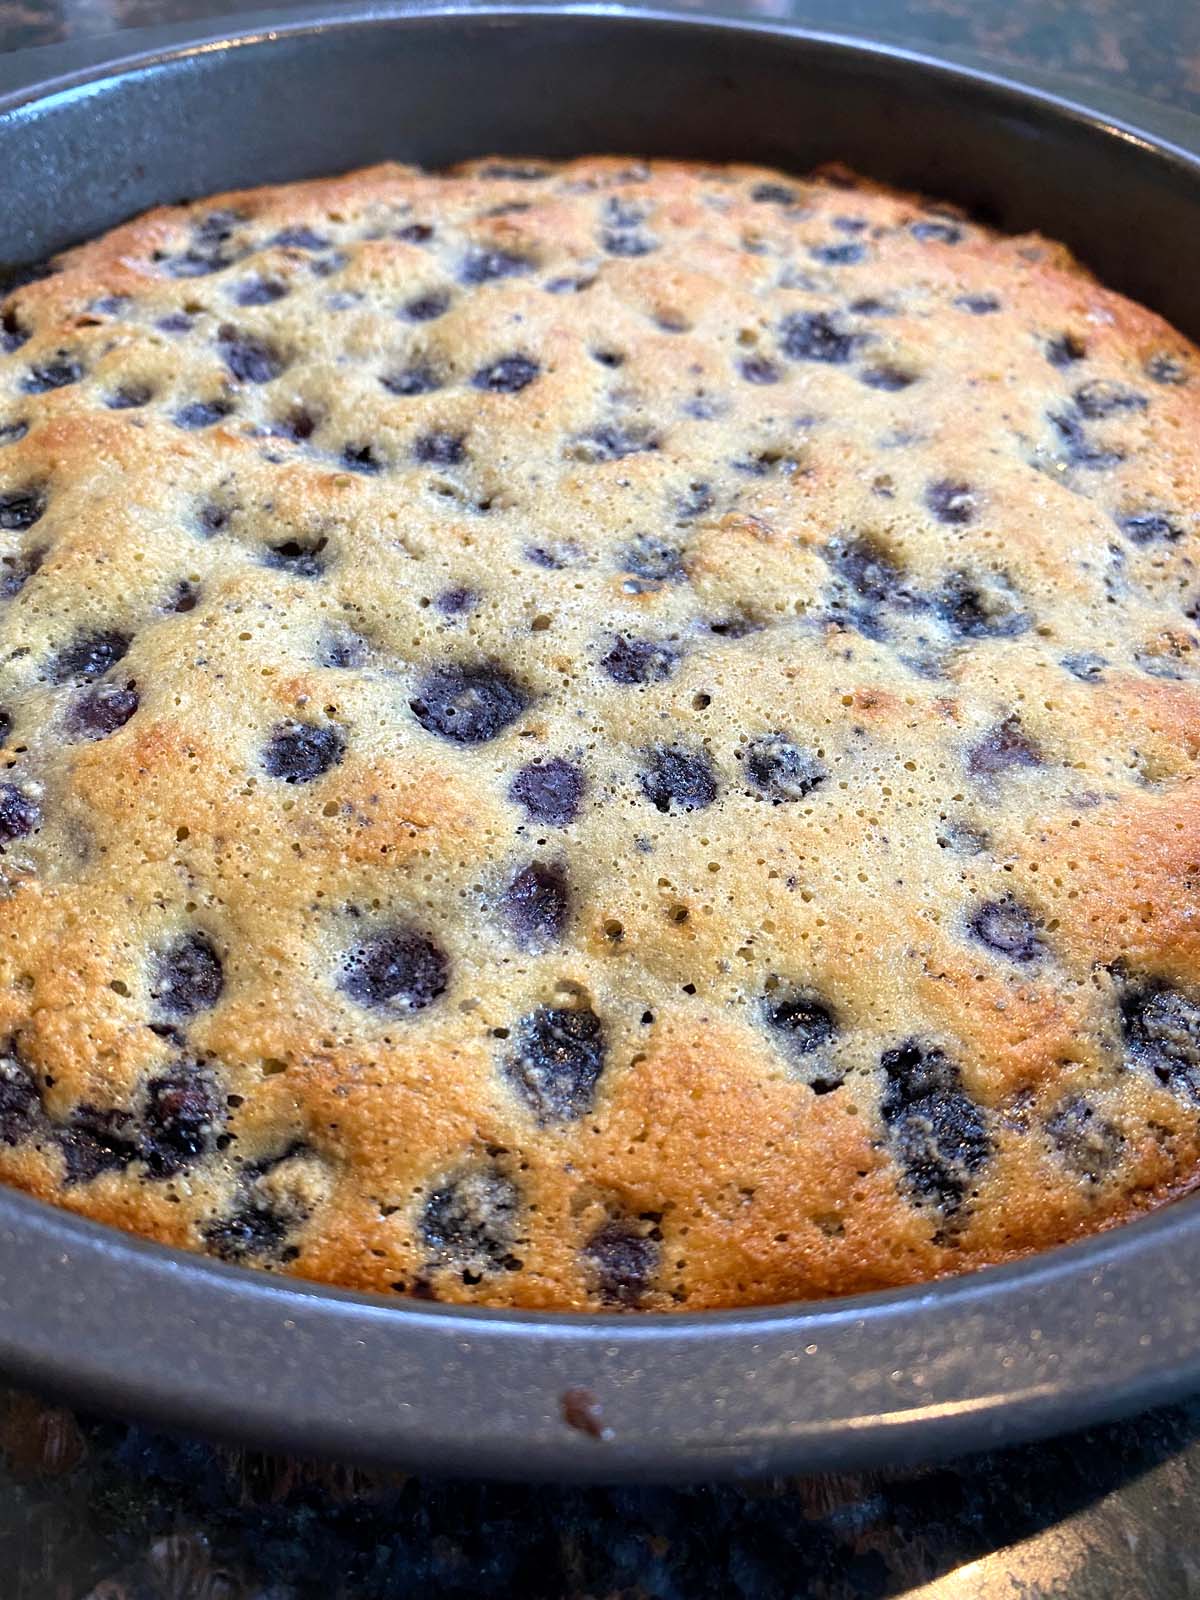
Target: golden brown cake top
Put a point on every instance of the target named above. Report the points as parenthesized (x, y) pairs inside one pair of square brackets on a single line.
[(596, 735)]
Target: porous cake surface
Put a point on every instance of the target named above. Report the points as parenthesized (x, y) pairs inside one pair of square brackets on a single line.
[(601, 735)]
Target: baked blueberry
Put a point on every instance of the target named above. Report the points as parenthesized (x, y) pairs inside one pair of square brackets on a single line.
[(535, 904), (778, 770), (1161, 1028), (938, 1135), (202, 413), (400, 968), (816, 336), (621, 1260), (469, 1223), (439, 449), (555, 1062), (678, 778), (509, 375), (1001, 749), (414, 380), (298, 752), (248, 358), (485, 266), (182, 1119), (638, 661), (952, 501), (60, 373), (1008, 928), (89, 656), (21, 508), (549, 791), (20, 814), (101, 710), (187, 977), (470, 703), (1149, 527), (1088, 1144)]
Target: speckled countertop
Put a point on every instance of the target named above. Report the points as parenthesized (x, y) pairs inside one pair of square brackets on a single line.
[(94, 1510)]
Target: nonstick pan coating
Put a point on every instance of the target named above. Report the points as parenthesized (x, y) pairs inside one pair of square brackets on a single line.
[(1076, 1335)]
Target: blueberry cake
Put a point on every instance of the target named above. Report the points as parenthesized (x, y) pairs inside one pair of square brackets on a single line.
[(596, 736)]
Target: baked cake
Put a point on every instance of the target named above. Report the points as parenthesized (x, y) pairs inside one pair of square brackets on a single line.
[(596, 735)]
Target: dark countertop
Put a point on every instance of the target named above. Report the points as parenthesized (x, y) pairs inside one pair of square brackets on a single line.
[(96, 1510)]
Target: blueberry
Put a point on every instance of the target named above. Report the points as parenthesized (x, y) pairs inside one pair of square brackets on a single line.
[(414, 380), (1065, 349), (867, 567), (439, 449), (59, 374), (361, 458), (842, 254), (427, 307), (344, 648), (13, 332), (773, 194), (887, 378), (298, 752), (982, 606), (265, 1214), (19, 814), (89, 656), (20, 1103), (952, 501), (1164, 367), (937, 1134), (188, 977), (202, 413), (1080, 450), (401, 968), (297, 426), (652, 559), (1086, 667), (517, 171), (5, 727), (21, 508), (1148, 527), (816, 336), (1103, 398), (936, 232), (979, 305), (300, 238), (675, 777), (453, 602), (612, 443), (130, 397), (778, 770), (101, 711), (1007, 927), (549, 791), (468, 704), (247, 358), (175, 322), (871, 305), (803, 1023), (483, 266), (622, 1261), (1004, 747), (1161, 1028), (96, 1141), (469, 1222), (253, 1233), (414, 233), (556, 1062), (629, 242), (759, 369), (259, 291), (182, 1119), (553, 557), (639, 661), (302, 559), (1089, 1144), (13, 432), (694, 502), (535, 905)]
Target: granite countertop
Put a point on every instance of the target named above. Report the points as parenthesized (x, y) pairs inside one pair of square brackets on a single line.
[(99, 1510)]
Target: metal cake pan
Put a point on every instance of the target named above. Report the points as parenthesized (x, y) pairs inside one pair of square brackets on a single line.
[(1073, 1336)]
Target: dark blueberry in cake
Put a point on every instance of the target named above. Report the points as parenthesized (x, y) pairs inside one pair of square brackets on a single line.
[(19, 814), (16, 570), (1080, 450), (952, 501), (94, 1141), (454, 602), (773, 194), (300, 238), (13, 432), (622, 1261), (439, 449), (1086, 667), (101, 711), (653, 559), (57, 374), (20, 1103), (255, 1233), (259, 291), (842, 254), (867, 567), (469, 1222), (816, 336), (980, 606), (182, 1120), (89, 656), (631, 661), (1161, 1027), (1088, 1144), (630, 242), (937, 1134), (302, 559), (21, 508), (175, 322), (344, 648), (778, 770), (509, 375), (5, 727), (427, 307), (549, 791), (1103, 398), (419, 379), (483, 266), (759, 369), (556, 1062), (468, 704), (888, 379), (1065, 349), (247, 358), (130, 397), (612, 443), (675, 778), (1167, 368), (1006, 746), (1149, 527), (534, 906), (553, 557), (298, 752), (801, 1022), (400, 968), (13, 332), (936, 232), (1008, 928), (202, 413), (361, 458), (696, 499), (979, 305), (188, 977), (297, 426), (414, 233)]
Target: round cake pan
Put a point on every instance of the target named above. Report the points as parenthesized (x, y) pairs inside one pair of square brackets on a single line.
[(1070, 1337)]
